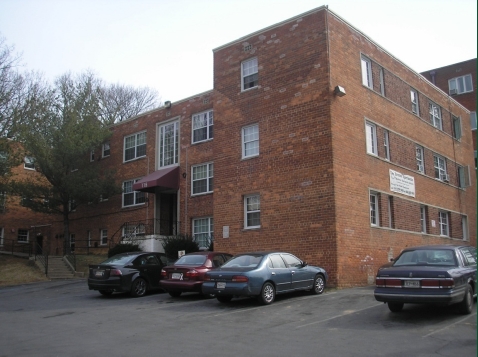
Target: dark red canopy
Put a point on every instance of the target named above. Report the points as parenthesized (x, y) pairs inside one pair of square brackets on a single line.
[(163, 179)]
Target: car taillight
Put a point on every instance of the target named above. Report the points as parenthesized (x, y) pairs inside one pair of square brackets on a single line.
[(164, 273), (447, 284), (394, 283), (192, 274), (380, 282), (207, 278), (240, 278), (115, 272), (435, 283)]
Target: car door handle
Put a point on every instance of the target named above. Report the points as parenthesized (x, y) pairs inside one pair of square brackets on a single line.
[(293, 272), (273, 273)]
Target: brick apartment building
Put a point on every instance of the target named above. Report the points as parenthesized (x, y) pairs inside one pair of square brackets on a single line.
[(314, 140), (459, 81)]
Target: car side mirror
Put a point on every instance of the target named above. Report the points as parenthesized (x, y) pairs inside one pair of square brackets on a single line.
[(304, 264), (392, 259)]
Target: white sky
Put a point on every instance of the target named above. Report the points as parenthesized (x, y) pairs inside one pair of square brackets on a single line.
[(167, 44)]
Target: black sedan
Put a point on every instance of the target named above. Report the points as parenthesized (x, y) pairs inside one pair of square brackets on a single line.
[(134, 273), (434, 274), (263, 275)]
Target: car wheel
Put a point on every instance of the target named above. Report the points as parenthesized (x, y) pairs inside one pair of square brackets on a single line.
[(105, 292), (175, 293), (268, 294), (395, 306), (319, 285), (224, 298), (466, 305), (139, 288)]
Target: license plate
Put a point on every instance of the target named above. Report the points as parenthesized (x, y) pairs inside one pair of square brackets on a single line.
[(99, 273), (411, 284), (178, 276), (220, 285)]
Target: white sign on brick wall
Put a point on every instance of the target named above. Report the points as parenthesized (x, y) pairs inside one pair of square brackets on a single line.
[(401, 183)]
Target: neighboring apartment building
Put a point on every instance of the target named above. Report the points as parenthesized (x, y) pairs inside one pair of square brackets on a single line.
[(459, 81), (314, 140)]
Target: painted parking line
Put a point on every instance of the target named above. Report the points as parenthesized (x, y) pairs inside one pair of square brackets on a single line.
[(450, 325)]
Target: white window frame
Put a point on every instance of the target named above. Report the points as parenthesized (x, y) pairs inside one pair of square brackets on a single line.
[(139, 198), (435, 115), (386, 144), (88, 235), (249, 68), (202, 173), (460, 85), (464, 227), (382, 82), (371, 138), (252, 207), (374, 210), (250, 141), (135, 143), (457, 131), (2, 235), (106, 150), (420, 157), (92, 155), (423, 219), (439, 163), (103, 236), (23, 238), (29, 163), (203, 121), (168, 144), (473, 120), (464, 179), (414, 100), (443, 220), (72, 241), (366, 65), (203, 231)]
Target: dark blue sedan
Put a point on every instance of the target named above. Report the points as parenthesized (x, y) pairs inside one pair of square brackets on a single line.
[(433, 274), (263, 275)]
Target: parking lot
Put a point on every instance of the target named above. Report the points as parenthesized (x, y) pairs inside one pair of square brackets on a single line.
[(64, 318)]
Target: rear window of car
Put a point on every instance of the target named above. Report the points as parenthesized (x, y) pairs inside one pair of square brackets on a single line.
[(118, 260), (442, 257), (191, 260), (244, 261)]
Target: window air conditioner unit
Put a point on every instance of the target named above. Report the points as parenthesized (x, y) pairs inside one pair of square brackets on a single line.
[(420, 168), (453, 91)]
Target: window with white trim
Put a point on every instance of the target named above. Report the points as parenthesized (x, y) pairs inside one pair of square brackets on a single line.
[(371, 138), (250, 141), (414, 100), (103, 236), (423, 219), (202, 178), (2, 235), (366, 72), (463, 176), (439, 163), (464, 227), (374, 218), (131, 197), (473, 120), (444, 225), (456, 127), (134, 146), (105, 150), (252, 211), (435, 115), (249, 74), (420, 158), (22, 236), (459, 85), (29, 163), (382, 82), (202, 126), (72, 242), (92, 155), (203, 231), (88, 235), (386, 144), (168, 145), (130, 231)]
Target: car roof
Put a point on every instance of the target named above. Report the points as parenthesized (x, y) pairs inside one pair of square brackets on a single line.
[(435, 246), (206, 252)]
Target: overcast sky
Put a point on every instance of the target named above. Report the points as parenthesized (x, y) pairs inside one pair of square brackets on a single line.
[(167, 44)]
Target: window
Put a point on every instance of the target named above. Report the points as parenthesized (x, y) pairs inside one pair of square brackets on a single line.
[(202, 178), (132, 230), (103, 236), (464, 176), (382, 83), (435, 115), (374, 209), (250, 141), (105, 149), (443, 219), (420, 158), (440, 168), (168, 144), (72, 242), (371, 138), (456, 127), (366, 72), (202, 126), (130, 197), (473, 120), (29, 163), (2, 235), (386, 144), (460, 85), (390, 212), (134, 146), (423, 218), (464, 225), (3, 200), (203, 231), (88, 234), (414, 99), (92, 155), (252, 211), (249, 74), (22, 236), (3, 163)]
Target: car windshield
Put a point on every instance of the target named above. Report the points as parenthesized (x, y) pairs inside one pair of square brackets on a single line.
[(191, 260), (444, 257), (118, 260), (244, 261)]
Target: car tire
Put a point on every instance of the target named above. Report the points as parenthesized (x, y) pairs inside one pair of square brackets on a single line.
[(105, 292), (395, 306), (466, 306), (139, 287), (319, 285), (174, 294), (268, 294), (223, 298)]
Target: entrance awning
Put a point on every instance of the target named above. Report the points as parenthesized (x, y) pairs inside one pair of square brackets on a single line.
[(164, 179)]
